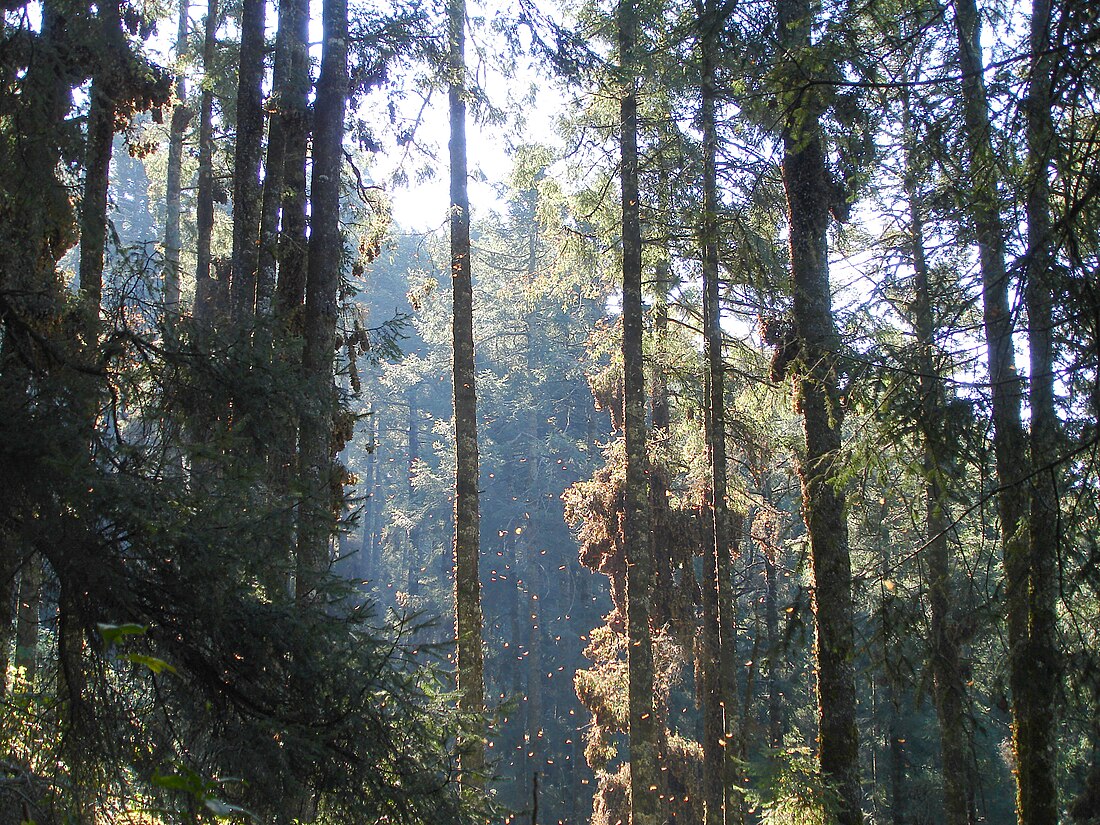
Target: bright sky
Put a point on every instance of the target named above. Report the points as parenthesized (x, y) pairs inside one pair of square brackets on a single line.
[(422, 205)]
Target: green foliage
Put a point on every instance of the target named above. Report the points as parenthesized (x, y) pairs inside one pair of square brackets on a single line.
[(788, 788)]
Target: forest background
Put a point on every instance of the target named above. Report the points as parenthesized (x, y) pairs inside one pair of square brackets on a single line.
[(730, 457)]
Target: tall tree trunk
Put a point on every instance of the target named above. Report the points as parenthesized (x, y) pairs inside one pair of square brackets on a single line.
[(326, 248), (531, 532), (275, 166), (294, 111), (642, 731), (471, 668), (720, 689), (808, 189), (284, 255), (204, 199), (30, 249), (181, 118), (246, 162), (1009, 442), (949, 690), (1037, 800), (534, 651), (97, 167)]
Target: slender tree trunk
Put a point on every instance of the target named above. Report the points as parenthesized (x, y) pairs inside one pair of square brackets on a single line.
[(534, 653), (531, 531), (808, 201), (1009, 442), (720, 691), (246, 162), (661, 537), (204, 200), (895, 737), (369, 568), (93, 236), (72, 684), (412, 579), (1037, 801), (467, 543), (776, 717), (326, 250), (275, 166), (642, 733), (948, 685), (28, 621), (97, 167), (181, 118), (8, 597)]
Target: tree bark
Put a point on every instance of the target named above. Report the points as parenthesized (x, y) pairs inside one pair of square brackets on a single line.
[(204, 199), (97, 167), (1037, 801), (808, 191), (275, 165), (642, 732), (181, 118), (720, 689), (294, 114), (326, 251), (281, 281), (1009, 442), (246, 162), (467, 543)]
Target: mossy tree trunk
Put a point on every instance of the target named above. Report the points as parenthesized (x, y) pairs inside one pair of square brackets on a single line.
[(642, 729), (809, 193)]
